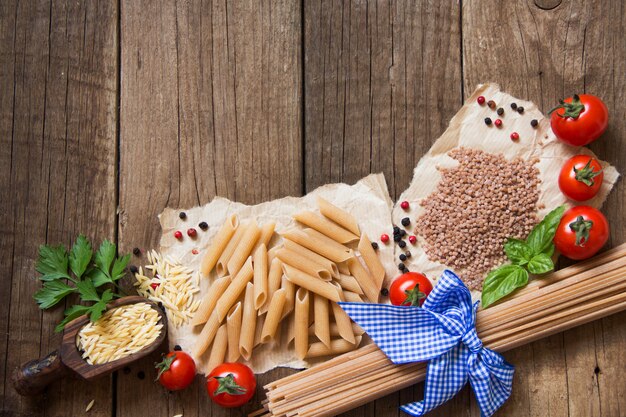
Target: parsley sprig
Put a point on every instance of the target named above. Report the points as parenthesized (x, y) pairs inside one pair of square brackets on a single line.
[(88, 272)]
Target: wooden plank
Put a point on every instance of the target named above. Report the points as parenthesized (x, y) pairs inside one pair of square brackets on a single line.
[(543, 55), (59, 77), (382, 79), (213, 91)]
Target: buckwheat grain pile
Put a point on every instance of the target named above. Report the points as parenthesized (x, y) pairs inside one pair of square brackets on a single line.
[(475, 208)]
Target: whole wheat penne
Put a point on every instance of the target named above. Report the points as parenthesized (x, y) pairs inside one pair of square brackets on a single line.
[(220, 240), (344, 324), (273, 317), (315, 257), (334, 251), (248, 323), (244, 248), (334, 330), (349, 283), (337, 346), (218, 350), (233, 291), (339, 216), (222, 263), (260, 276), (325, 226), (304, 264), (267, 231), (325, 289), (372, 261), (274, 279), (210, 300), (206, 336), (290, 295), (290, 333), (233, 326), (321, 314), (301, 323), (352, 297), (259, 330), (363, 278)]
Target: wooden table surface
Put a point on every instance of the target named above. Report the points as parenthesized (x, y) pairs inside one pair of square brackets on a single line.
[(113, 110)]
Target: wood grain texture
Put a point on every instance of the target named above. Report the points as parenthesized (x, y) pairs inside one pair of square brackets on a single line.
[(210, 105)]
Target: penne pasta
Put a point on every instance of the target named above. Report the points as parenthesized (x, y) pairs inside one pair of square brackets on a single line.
[(219, 243), (304, 264), (222, 263), (315, 257), (324, 246), (271, 253), (325, 289), (218, 350), (210, 300), (248, 323), (348, 282), (244, 248), (337, 346), (334, 330), (301, 323), (363, 278), (321, 314), (325, 226), (233, 326), (344, 324), (233, 291), (267, 232), (274, 279), (206, 336), (352, 297), (259, 330), (291, 329), (290, 295), (273, 317), (339, 216), (260, 276), (372, 261), (343, 268)]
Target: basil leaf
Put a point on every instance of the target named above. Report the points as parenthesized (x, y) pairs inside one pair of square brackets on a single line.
[(518, 251), (540, 264), (540, 238), (80, 256), (501, 282)]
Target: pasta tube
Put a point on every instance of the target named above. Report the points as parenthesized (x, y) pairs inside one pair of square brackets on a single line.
[(218, 350), (248, 323), (325, 226), (315, 257), (207, 335), (339, 216), (273, 317), (222, 263), (244, 248), (233, 327), (220, 241), (210, 300), (348, 282), (304, 264), (325, 289), (321, 313), (372, 261), (228, 299), (260, 276), (324, 246), (301, 323), (337, 346), (363, 278), (290, 295)]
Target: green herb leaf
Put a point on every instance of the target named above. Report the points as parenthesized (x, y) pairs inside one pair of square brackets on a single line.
[(119, 267), (80, 256), (87, 290), (518, 251), (540, 264), (51, 293), (501, 282), (105, 256), (70, 314), (99, 278), (98, 308), (540, 238), (52, 263)]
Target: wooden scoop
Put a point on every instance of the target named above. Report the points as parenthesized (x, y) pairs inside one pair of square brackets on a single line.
[(33, 377)]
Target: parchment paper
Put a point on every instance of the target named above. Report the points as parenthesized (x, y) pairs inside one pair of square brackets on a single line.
[(467, 129), (367, 200)]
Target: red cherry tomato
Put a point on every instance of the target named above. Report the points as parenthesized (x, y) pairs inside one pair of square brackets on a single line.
[(582, 232), (176, 371), (579, 120), (410, 289), (231, 384), (581, 177)]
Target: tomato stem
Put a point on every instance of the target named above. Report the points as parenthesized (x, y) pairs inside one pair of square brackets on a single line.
[(164, 365), (227, 385), (581, 227), (586, 174), (414, 296), (572, 109)]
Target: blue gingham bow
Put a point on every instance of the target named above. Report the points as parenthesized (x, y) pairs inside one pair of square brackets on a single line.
[(443, 332)]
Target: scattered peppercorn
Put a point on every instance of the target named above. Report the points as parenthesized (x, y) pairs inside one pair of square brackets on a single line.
[(406, 221), (133, 269), (481, 100), (396, 230), (384, 292), (141, 374), (126, 370), (384, 238), (534, 122), (203, 225), (520, 110), (194, 251), (405, 204), (402, 257), (397, 238), (178, 234), (191, 232), (154, 285), (402, 233), (177, 348), (514, 106), (498, 123), (500, 111), (412, 239), (408, 254), (182, 215), (374, 245), (402, 244), (491, 104), (401, 267), (487, 121), (514, 136)]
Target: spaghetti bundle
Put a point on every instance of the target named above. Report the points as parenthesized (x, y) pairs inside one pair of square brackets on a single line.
[(564, 299)]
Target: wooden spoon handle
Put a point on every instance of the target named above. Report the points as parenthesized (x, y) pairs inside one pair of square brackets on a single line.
[(34, 376)]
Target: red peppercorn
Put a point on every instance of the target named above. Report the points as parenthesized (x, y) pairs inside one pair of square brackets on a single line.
[(481, 100), (384, 238), (155, 285), (404, 205), (491, 104), (498, 123), (191, 232), (194, 251), (514, 136), (412, 239), (178, 234)]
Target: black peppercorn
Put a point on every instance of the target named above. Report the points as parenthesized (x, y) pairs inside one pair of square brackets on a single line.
[(141, 375), (520, 110), (500, 111), (177, 348), (406, 221), (374, 245), (136, 251), (203, 225), (396, 230), (133, 269), (182, 215), (126, 370), (408, 254), (401, 267), (403, 233), (514, 106), (487, 121), (402, 257), (384, 292), (534, 122), (397, 238), (402, 244)]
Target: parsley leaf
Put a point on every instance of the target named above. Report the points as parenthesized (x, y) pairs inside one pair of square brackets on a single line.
[(87, 290), (98, 308), (70, 314), (104, 257), (51, 293), (119, 267), (80, 256), (52, 263)]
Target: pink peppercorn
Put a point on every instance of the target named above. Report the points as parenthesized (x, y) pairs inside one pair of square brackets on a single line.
[(514, 136), (404, 205), (178, 234), (191, 232), (481, 100), (155, 285), (412, 239), (498, 123), (194, 251), (384, 238)]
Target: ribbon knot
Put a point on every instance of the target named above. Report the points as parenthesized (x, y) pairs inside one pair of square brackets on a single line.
[(443, 332)]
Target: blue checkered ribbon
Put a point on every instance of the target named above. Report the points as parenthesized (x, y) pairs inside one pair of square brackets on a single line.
[(443, 332)]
